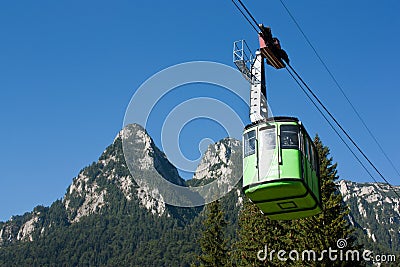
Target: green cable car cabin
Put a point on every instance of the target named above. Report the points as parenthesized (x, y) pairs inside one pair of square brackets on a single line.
[(281, 169)]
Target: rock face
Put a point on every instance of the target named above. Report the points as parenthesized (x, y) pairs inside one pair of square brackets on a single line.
[(220, 169), (374, 208), (88, 192), (20, 228), (219, 160), (26, 230)]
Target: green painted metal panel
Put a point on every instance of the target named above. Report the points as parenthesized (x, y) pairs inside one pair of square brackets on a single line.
[(284, 200), (291, 164), (275, 189), (250, 175)]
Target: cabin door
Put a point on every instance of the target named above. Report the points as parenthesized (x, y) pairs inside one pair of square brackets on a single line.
[(268, 167)]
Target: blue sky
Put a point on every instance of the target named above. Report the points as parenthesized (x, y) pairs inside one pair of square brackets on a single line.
[(69, 68)]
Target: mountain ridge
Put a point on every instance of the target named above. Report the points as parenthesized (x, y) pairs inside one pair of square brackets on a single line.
[(107, 191)]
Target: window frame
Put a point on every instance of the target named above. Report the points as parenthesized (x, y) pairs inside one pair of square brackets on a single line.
[(266, 128), (297, 144), (246, 142)]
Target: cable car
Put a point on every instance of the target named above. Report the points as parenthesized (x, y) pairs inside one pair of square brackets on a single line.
[(280, 162), (281, 169)]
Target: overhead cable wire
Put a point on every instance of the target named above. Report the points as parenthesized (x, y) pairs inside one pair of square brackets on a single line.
[(244, 15), (331, 125), (341, 128), (248, 12), (323, 106), (340, 87)]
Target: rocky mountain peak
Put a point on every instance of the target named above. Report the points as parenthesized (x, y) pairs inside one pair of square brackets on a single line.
[(142, 154), (374, 208), (89, 191), (219, 159)]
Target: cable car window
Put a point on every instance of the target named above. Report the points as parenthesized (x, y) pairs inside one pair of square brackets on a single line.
[(301, 145), (306, 146), (267, 138), (290, 136), (266, 149), (249, 143), (312, 155), (316, 163)]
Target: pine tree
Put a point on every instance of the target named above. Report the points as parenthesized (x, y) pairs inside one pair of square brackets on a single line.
[(324, 230), (316, 233), (212, 241), (258, 236)]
